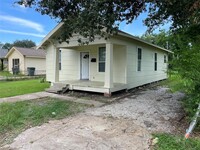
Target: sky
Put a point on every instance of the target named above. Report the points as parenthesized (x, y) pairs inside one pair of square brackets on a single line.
[(19, 23)]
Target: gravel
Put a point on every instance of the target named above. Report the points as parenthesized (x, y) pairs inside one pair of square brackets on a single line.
[(153, 109)]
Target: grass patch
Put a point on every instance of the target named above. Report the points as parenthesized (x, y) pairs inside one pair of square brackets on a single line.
[(8, 74), (175, 83), (13, 88), (16, 117), (171, 142), (5, 74)]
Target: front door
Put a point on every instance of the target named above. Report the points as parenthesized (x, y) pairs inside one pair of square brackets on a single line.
[(84, 66)]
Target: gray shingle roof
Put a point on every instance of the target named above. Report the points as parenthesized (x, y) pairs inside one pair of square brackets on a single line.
[(3, 53), (31, 52)]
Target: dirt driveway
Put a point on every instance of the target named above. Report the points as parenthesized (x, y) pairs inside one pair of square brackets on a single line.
[(126, 124)]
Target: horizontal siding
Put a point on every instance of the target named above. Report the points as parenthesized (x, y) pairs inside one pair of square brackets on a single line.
[(38, 63), (147, 74)]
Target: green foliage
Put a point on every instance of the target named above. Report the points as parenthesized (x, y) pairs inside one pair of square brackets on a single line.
[(171, 142), (7, 46), (88, 18), (16, 117), (24, 43), (5, 73), (161, 39), (175, 82), (13, 88), (19, 43)]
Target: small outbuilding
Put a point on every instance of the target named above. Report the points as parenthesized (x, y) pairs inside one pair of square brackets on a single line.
[(20, 60)]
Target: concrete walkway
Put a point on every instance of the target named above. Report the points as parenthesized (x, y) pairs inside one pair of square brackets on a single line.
[(45, 94)]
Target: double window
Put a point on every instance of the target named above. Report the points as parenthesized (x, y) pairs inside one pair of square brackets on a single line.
[(139, 59), (102, 59), (15, 63)]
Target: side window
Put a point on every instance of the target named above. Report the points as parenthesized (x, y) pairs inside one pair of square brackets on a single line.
[(139, 59), (102, 59), (155, 62), (60, 59)]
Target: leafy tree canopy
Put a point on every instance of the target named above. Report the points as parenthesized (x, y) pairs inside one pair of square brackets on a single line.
[(89, 17), (161, 39), (24, 43), (19, 43)]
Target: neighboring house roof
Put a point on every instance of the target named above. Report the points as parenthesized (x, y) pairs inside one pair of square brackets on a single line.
[(28, 52), (3, 53), (121, 33)]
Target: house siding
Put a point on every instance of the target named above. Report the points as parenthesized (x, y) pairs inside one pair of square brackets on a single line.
[(124, 62), (38, 63), (70, 62), (69, 65), (16, 55), (147, 74), (50, 62)]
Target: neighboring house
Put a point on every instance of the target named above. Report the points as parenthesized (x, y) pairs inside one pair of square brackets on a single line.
[(3, 59), (104, 66), (22, 58)]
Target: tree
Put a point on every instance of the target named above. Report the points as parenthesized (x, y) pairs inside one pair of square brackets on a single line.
[(19, 43), (24, 43), (162, 39), (89, 17), (7, 46)]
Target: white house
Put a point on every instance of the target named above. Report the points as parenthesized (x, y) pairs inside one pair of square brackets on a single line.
[(104, 66), (23, 58)]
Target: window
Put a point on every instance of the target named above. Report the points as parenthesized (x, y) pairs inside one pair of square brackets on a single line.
[(155, 62), (102, 59), (165, 59), (15, 63), (59, 59), (139, 59)]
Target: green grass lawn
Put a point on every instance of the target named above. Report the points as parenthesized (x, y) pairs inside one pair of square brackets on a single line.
[(5, 73), (16, 117), (8, 74), (171, 142), (175, 83), (13, 88)]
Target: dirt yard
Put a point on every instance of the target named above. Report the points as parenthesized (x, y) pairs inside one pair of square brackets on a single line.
[(125, 124)]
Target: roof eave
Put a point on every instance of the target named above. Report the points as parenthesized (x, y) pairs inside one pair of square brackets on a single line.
[(50, 34), (143, 41)]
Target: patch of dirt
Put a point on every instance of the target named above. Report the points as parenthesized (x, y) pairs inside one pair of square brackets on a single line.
[(124, 124), (84, 133)]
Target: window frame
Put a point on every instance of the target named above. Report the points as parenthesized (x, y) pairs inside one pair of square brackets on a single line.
[(101, 61), (155, 61), (139, 60), (60, 60), (14, 63)]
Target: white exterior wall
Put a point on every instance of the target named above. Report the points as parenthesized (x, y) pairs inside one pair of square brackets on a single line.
[(50, 62), (16, 55), (147, 74), (119, 64), (70, 64), (124, 63), (38, 63)]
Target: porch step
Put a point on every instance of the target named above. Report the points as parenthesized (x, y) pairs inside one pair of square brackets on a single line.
[(58, 88)]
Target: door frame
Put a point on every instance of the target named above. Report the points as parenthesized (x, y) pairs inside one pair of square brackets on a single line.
[(81, 65)]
